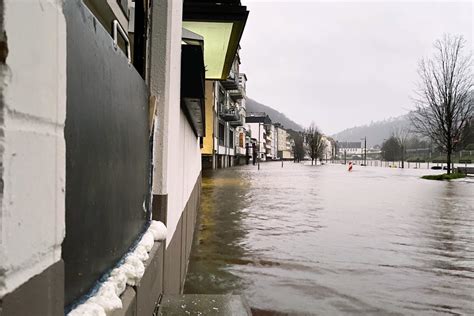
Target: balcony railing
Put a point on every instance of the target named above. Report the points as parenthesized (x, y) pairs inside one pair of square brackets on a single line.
[(239, 122), (237, 94), (230, 114), (232, 82), (243, 81)]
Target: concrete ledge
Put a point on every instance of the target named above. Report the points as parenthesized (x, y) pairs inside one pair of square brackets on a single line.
[(41, 295), (129, 302), (151, 285), (143, 298)]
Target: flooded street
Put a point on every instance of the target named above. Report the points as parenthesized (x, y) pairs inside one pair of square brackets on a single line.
[(320, 240)]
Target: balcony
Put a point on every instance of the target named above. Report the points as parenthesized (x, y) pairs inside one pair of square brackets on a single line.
[(230, 114), (240, 151), (243, 81), (237, 94), (232, 82), (238, 122)]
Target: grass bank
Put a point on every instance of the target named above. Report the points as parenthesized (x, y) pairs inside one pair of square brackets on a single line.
[(445, 176)]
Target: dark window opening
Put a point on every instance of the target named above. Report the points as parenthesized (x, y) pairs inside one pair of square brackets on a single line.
[(139, 37), (221, 134), (221, 100), (123, 4), (135, 29), (231, 139)]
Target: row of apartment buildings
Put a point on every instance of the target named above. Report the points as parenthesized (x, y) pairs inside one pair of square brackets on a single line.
[(102, 120), (234, 136), (244, 139), (273, 142)]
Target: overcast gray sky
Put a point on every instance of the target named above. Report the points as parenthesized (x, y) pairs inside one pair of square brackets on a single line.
[(342, 64)]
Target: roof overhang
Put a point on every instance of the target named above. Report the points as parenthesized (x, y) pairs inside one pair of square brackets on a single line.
[(221, 26)]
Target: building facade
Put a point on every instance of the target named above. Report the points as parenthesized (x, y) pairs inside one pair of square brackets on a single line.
[(259, 125), (284, 143), (226, 143), (349, 149), (110, 125)]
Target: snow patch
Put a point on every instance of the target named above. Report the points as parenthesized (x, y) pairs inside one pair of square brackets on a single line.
[(107, 298)]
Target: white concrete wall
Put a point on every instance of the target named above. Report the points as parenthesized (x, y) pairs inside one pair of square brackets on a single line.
[(254, 132), (177, 154), (274, 141), (184, 166), (32, 146)]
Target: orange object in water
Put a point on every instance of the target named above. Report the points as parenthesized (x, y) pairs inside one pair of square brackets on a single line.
[(350, 165)]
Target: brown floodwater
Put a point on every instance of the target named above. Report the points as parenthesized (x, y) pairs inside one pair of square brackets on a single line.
[(320, 240)]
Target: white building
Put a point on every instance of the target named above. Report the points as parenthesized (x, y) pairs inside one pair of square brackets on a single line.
[(283, 143), (258, 124), (349, 149), (270, 142)]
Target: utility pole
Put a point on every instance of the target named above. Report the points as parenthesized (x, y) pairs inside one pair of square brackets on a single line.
[(258, 150), (403, 157), (364, 154), (365, 151)]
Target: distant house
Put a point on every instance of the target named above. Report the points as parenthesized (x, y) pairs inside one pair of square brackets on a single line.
[(349, 148), (259, 124), (284, 143)]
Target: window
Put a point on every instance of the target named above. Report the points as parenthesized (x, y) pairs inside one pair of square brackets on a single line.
[(231, 139), (221, 134), (131, 18), (221, 100)]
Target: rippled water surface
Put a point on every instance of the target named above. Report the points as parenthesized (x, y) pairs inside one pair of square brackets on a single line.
[(320, 240)]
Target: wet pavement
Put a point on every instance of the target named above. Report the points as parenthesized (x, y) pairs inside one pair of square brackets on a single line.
[(204, 305), (320, 240)]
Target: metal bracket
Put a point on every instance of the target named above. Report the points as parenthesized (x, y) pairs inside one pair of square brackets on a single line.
[(117, 26)]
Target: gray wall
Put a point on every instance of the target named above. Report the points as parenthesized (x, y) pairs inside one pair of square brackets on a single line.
[(107, 152)]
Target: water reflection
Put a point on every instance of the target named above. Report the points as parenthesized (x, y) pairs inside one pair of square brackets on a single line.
[(220, 233), (318, 240)]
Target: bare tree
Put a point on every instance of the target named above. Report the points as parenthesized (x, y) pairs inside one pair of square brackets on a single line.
[(401, 133), (315, 142), (443, 104)]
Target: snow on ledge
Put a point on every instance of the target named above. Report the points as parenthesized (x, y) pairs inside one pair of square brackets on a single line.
[(107, 298)]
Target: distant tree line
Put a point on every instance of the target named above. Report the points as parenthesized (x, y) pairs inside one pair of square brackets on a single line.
[(396, 146)]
